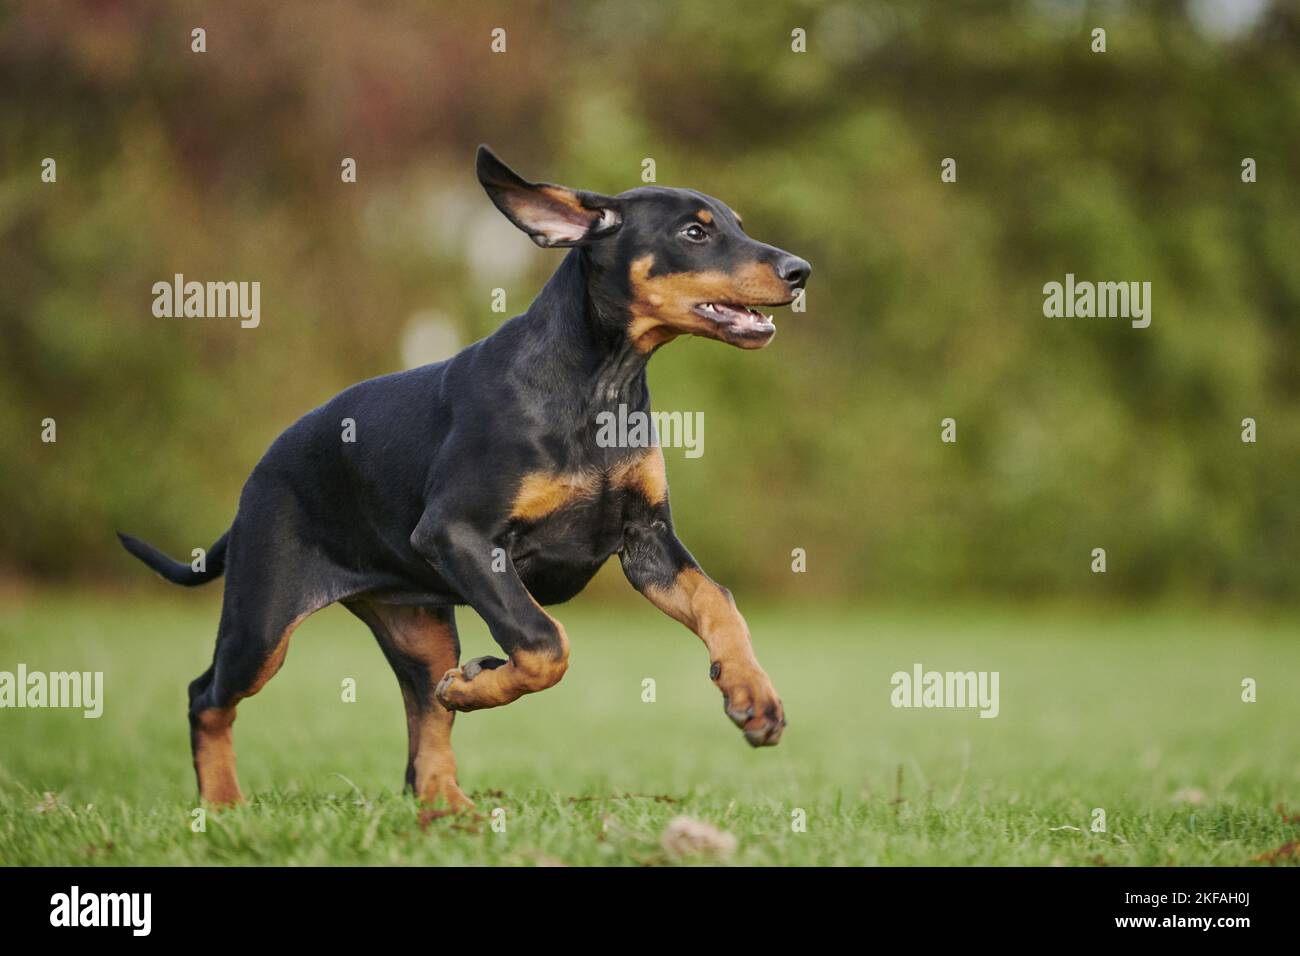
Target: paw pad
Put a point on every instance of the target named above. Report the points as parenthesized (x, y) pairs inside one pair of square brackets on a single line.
[(472, 668)]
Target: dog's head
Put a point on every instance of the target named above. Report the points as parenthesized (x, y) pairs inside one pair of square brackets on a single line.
[(668, 262)]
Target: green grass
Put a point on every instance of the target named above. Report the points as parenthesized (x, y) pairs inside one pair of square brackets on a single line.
[(1136, 712)]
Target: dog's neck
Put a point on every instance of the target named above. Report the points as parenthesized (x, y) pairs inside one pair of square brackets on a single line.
[(586, 341)]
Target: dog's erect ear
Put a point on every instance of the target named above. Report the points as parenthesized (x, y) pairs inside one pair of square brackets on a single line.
[(551, 215)]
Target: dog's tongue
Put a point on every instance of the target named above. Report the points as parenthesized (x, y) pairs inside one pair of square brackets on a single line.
[(738, 315), (742, 313)]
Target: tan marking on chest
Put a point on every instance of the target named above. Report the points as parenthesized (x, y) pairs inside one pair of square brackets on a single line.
[(542, 493), (645, 474)]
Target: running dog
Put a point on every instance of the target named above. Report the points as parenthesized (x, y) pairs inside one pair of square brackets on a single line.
[(478, 481)]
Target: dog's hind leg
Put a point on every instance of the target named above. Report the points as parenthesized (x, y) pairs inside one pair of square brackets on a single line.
[(245, 660), (260, 610), (421, 645)]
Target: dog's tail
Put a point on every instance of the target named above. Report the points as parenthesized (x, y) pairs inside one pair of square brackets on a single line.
[(178, 572)]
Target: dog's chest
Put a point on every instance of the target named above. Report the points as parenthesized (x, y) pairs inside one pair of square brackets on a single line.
[(567, 524), (558, 553)]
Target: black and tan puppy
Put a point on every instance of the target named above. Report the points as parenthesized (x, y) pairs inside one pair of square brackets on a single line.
[(495, 449)]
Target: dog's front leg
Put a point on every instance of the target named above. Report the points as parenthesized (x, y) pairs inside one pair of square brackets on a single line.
[(534, 642), (660, 567)]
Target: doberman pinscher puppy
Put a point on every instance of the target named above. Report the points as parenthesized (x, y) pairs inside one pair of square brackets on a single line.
[(479, 481)]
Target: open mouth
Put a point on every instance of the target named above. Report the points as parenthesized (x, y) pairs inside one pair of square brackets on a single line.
[(743, 323)]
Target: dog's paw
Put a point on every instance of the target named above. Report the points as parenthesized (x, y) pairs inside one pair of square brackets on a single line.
[(442, 791), (450, 691), (453, 690), (751, 703)]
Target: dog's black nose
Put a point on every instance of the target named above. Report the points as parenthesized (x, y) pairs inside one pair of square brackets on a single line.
[(794, 271)]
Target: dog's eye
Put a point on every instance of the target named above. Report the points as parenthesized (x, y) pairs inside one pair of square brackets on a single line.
[(695, 233)]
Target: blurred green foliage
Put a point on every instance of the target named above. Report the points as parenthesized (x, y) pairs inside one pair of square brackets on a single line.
[(925, 303)]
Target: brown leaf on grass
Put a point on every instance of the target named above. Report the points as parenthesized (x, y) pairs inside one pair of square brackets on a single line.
[(465, 822), (686, 836), (1287, 817), (1286, 853), (656, 797)]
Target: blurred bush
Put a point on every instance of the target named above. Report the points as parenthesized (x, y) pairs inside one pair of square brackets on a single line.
[(925, 301)]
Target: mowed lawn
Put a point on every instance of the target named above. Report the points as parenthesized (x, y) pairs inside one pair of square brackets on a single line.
[(1135, 712)]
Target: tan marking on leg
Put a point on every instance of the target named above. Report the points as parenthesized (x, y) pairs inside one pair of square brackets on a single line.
[(214, 757), (422, 635), (698, 602), (702, 605), (435, 762), (644, 473), (541, 493), (526, 672), (274, 661), (212, 740)]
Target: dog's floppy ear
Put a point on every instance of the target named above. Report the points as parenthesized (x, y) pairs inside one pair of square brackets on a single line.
[(551, 215)]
